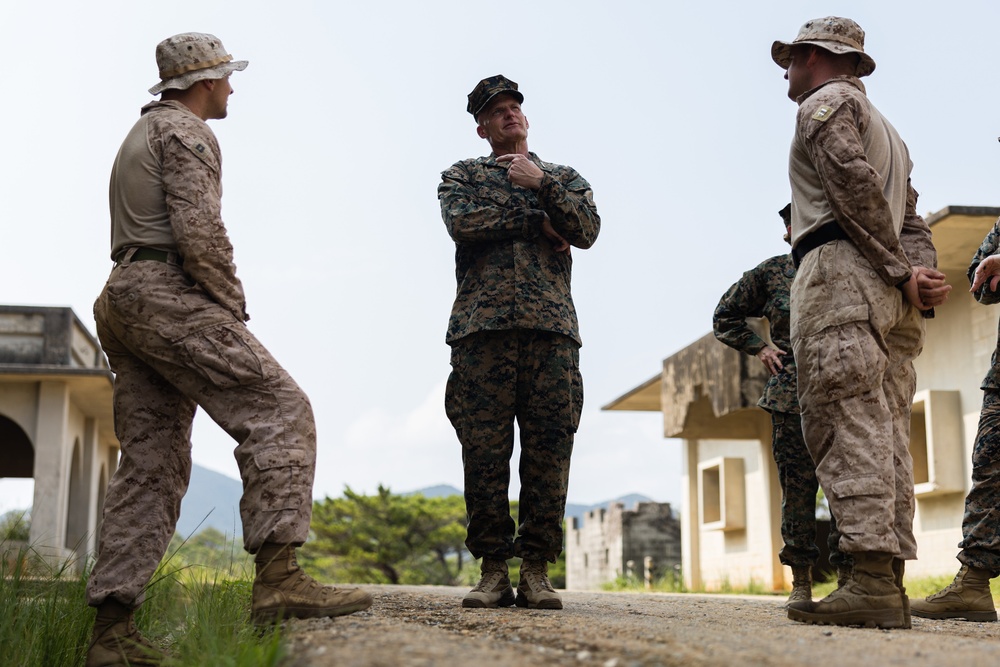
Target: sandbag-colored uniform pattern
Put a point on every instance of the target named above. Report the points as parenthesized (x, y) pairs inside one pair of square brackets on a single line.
[(174, 343)]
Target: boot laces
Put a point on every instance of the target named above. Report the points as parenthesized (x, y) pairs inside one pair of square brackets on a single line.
[(489, 581), (537, 579), (950, 588)]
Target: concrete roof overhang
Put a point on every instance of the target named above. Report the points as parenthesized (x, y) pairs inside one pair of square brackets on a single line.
[(91, 389), (958, 231)]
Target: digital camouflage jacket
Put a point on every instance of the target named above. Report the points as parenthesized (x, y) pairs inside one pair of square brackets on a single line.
[(174, 169), (832, 132), (763, 291), (990, 246), (509, 276)]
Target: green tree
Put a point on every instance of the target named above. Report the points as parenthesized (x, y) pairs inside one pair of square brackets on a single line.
[(15, 525), (209, 548), (388, 538)]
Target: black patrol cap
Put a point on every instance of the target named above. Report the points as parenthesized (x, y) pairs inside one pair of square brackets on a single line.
[(786, 214), (489, 88)]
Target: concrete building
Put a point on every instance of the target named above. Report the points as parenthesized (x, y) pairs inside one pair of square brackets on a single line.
[(56, 425), (731, 507), (617, 542)]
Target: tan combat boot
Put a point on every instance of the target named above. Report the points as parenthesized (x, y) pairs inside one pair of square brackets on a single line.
[(534, 590), (801, 584), (116, 641), (898, 568), (493, 589), (870, 599), (968, 597), (282, 590)]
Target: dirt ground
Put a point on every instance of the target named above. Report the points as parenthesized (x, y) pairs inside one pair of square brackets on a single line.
[(410, 626)]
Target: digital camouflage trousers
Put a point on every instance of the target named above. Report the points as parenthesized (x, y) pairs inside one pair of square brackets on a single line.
[(533, 378), (797, 477), (172, 348), (855, 339), (980, 543)]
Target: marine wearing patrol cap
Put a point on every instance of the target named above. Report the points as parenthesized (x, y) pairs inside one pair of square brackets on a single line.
[(786, 220), (833, 33), (190, 57), (786, 214), (489, 88)]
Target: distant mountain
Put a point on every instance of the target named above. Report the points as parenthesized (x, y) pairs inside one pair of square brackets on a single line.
[(573, 510), (438, 491), (212, 499)]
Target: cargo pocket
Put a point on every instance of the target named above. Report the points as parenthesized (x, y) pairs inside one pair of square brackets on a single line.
[(222, 355), (284, 478), (839, 356), (454, 394), (870, 486), (576, 388)]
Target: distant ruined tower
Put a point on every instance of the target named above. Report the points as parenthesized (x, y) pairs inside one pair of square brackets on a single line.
[(611, 542)]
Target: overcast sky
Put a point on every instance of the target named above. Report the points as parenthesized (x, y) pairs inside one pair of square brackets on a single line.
[(336, 137)]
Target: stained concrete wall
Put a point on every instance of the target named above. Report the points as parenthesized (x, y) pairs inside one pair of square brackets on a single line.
[(608, 543)]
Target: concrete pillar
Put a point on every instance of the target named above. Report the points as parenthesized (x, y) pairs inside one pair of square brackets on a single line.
[(690, 523), (773, 522), (48, 515), (92, 461)]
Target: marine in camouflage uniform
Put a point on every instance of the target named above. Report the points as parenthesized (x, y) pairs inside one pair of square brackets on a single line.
[(859, 243), (515, 341), (171, 320), (968, 596), (764, 291)]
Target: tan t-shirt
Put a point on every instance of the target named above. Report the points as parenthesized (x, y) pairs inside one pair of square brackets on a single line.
[(848, 164), (166, 193)]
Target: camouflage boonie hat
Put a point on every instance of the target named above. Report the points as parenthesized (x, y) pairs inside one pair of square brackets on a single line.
[(189, 57), (489, 88), (835, 34)]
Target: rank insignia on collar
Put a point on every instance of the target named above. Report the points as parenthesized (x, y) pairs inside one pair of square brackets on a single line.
[(822, 113), (200, 148)]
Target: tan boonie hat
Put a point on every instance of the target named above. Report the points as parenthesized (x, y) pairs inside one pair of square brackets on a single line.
[(835, 34), (189, 57), (489, 88)]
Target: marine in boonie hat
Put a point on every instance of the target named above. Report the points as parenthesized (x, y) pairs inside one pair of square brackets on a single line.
[(833, 33), (192, 56), (489, 88)]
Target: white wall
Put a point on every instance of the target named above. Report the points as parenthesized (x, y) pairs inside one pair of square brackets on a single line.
[(960, 341)]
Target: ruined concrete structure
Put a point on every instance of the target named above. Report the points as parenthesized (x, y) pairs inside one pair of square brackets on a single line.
[(56, 425), (731, 508), (617, 542)]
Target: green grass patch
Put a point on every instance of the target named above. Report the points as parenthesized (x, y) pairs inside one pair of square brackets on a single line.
[(916, 587), (199, 615)]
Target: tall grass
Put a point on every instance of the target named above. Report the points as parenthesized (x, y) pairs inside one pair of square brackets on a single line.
[(199, 616)]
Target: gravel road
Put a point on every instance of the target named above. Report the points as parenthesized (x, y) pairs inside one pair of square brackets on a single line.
[(416, 626)]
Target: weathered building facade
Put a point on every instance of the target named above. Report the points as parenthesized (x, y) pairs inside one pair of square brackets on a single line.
[(731, 509), (617, 542), (56, 425)]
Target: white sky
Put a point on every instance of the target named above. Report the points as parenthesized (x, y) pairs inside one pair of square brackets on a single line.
[(348, 113)]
